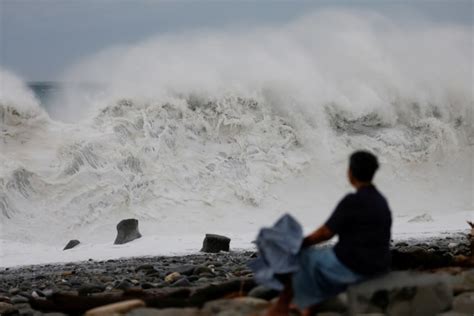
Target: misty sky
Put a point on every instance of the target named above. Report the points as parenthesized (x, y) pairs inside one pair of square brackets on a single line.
[(39, 39)]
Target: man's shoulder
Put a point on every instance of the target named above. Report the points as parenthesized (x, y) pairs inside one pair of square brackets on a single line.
[(348, 199), (379, 195)]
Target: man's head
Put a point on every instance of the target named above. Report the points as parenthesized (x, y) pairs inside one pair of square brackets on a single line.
[(362, 167)]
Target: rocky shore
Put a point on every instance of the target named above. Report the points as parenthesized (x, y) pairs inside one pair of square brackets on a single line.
[(220, 284)]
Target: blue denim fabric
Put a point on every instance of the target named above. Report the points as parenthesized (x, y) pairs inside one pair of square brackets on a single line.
[(321, 276), (278, 248)]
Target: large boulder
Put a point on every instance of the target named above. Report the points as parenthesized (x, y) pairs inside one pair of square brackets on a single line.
[(464, 303), (71, 244), (215, 243), (127, 230), (402, 293), (6, 308)]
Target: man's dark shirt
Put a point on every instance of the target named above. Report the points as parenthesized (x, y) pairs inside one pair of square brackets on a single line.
[(362, 220)]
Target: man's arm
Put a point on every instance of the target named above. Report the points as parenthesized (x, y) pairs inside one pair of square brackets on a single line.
[(321, 234)]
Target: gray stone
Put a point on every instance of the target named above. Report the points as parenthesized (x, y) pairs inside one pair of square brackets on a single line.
[(263, 293), (464, 303), (87, 289), (206, 275), (26, 312), (6, 308), (71, 244), (124, 285), (14, 291), (145, 267), (154, 274), (402, 293), (116, 308), (184, 269), (148, 285), (432, 299), (19, 299), (202, 269), (5, 299), (165, 312), (214, 243), (464, 282), (24, 309), (334, 304), (127, 230), (172, 277), (235, 307)]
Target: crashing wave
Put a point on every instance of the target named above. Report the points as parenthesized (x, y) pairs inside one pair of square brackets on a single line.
[(224, 126)]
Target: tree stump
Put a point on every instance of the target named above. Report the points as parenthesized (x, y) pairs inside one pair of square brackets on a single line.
[(127, 230), (215, 243)]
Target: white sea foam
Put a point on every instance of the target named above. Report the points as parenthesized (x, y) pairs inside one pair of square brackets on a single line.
[(223, 131)]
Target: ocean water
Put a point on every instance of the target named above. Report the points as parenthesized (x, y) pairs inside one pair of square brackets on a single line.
[(45, 91), (223, 132)]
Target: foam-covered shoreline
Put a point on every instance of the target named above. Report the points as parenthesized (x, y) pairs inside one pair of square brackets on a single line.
[(231, 136)]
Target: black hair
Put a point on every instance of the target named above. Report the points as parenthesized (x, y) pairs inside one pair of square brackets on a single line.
[(363, 165)]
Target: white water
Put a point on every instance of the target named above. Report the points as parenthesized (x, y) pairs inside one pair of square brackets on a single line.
[(222, 132)]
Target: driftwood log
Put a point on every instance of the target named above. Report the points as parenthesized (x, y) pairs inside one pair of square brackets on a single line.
[(160, 298)]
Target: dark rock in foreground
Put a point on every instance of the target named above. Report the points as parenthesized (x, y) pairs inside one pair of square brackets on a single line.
[(402, 293), (71, 244), (215, 243), (127, 230), (263, 293)]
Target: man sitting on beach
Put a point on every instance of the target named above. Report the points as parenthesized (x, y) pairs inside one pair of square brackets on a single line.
[(362, 221)]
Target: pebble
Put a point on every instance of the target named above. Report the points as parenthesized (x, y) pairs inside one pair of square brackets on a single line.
[(6, 308), (91, 288), (263, 293), (184, 270), (172, 277), (182, 282), (19, 299), (145, 267), (124, 285), (166, 312), (147, 285), (116, 308), (239, 306), (14, 291), (5, 299), (202, 269), (155, 274), (464, 303)]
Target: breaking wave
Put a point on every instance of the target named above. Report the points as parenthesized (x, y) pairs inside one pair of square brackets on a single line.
[(200, 120)]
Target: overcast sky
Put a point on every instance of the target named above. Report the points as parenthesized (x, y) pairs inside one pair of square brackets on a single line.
[(39, 39)]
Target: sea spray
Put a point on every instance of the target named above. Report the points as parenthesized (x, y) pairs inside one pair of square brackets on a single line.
[(181, 129)]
